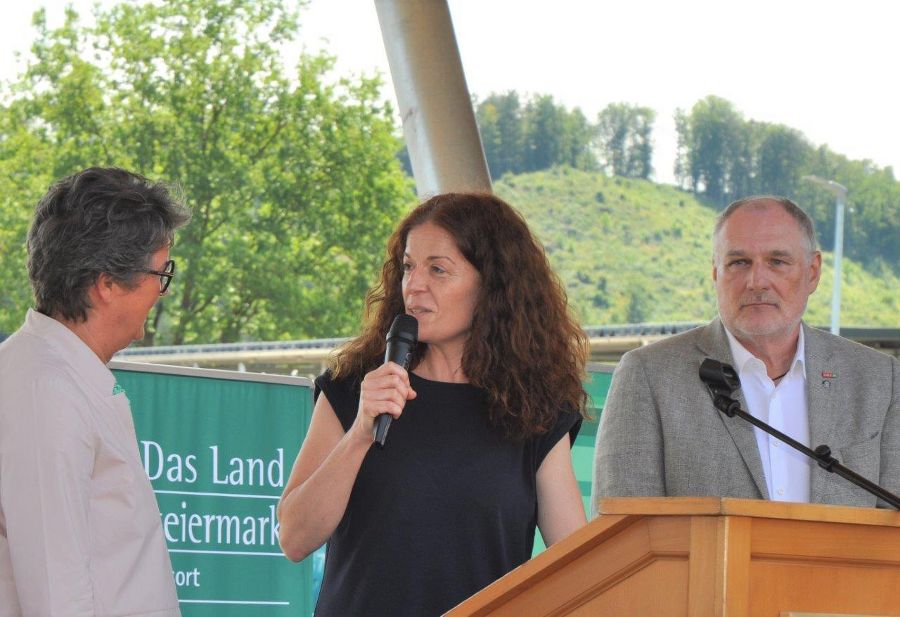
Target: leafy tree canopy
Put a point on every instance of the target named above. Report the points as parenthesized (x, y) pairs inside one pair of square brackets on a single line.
[(624, 140), (291, 174), (535, 135), (723, 156)]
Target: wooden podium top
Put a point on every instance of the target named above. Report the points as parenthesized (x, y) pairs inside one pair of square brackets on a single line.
[(756, 508), (618, 515)]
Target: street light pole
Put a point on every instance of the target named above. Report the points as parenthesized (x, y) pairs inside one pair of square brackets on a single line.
[(840, 194), (840, 197)]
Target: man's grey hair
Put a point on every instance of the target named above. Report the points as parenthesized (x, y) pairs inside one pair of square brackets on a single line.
[(98, 221), (796, 212)]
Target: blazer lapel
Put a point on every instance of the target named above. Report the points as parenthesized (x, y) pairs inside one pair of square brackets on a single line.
[(714, 343), (821, 394)]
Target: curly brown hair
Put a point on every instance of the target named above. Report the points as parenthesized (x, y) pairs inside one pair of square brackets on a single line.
[(525, 349)]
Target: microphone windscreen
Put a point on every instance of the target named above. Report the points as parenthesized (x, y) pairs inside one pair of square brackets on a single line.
[(404, 326), (719, 376)]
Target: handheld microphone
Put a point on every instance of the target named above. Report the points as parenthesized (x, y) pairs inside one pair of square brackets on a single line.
[(722, 380), (401, 341)]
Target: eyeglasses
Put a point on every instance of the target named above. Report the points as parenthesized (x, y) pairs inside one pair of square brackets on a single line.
[(165, 275)]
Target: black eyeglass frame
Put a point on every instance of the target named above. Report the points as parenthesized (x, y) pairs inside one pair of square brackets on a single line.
[(165, 275)]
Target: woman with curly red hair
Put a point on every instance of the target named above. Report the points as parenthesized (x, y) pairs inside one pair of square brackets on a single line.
[(478, 451)]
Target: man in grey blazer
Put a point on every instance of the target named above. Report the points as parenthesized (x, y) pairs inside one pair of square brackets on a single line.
[(659, 432)]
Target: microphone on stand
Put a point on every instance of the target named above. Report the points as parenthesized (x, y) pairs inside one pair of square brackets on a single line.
[(401, 341), (722, 380)]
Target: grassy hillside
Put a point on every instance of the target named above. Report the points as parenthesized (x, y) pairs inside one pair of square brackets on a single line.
[(634, 251)]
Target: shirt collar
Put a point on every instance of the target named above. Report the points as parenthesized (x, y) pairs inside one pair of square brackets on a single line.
[(744, 360), (72, 350)]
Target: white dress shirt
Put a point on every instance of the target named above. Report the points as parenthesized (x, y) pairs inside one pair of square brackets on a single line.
[(80, 531), (784, 407)]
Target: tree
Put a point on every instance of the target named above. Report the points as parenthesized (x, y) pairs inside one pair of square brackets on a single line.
[(537, 136), (499, 119), (684, 174), (872, 220), (781, 156), (554, 135), (292, 176), (723, 157), (624, 136), (544, 126), (640, 160), (577, 137), (716, 147)]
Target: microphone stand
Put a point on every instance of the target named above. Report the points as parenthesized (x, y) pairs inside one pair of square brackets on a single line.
[(822, 454)]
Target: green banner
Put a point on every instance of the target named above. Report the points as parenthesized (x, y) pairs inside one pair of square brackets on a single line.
[(597, 386), (218, 447)]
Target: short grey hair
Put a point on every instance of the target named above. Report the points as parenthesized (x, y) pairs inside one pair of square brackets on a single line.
[(796, 212), (97, 221)]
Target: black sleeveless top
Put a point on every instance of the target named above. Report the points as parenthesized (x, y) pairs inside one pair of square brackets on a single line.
[(446, 508)]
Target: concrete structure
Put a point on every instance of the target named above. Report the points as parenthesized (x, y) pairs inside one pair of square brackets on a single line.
[(438, 120), (309, 357)]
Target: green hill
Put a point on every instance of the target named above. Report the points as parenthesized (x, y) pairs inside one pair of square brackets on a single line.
[(633, 251)]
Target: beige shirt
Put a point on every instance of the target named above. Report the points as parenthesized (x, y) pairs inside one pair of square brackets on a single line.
[(80, 531)]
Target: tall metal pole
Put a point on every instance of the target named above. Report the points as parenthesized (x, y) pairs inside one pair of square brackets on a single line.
[(438, 120), (840, 193), (838, 254)]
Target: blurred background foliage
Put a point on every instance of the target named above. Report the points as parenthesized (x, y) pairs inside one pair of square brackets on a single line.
[(296, 177)]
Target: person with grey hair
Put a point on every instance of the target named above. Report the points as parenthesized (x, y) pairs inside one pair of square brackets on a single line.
[(80, 531), (660, 434)]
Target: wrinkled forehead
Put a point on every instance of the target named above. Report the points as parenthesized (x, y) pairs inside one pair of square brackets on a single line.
[(762, 227)]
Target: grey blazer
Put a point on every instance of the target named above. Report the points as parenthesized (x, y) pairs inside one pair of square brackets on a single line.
[(660, 434)]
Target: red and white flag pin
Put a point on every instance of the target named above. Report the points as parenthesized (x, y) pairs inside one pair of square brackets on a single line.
[(829, 375)]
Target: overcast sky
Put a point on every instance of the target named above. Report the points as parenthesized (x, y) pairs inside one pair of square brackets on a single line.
[(827, 68)]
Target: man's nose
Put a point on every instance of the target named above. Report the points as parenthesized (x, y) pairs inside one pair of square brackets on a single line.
[(758, 277)]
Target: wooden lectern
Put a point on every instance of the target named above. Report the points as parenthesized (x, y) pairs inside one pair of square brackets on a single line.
[(706, 556)]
